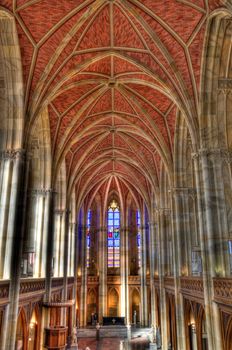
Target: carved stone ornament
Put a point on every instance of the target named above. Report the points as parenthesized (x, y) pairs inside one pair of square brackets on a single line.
[(41, 192), (12, 154)]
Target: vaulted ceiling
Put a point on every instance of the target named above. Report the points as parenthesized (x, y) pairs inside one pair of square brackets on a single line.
[(113, 75)]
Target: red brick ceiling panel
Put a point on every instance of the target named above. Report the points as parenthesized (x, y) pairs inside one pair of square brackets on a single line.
[(98, 35), (105, 143), (102, 66), (119, 142), (177, 15), (69, 97), (83, 142), (155, 97), (124, 33), (67, 119), (45, 14), (121, 104), (104, 103), (122, 66), (120, 122)]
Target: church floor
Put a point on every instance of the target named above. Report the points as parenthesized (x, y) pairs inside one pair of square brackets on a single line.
[(113, 344)]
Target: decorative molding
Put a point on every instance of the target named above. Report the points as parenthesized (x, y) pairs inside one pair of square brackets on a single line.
[(43, 192), (93, 279), (12, 154), (169, 283), (32, 285), (4, 290), (225, 85), (214, 153), (57, 282), (223, 290), (192, 286), (70, 280), (59, 304), (183, 191)]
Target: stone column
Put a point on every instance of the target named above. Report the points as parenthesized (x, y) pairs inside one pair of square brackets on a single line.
[(84, 279), (65, 261), (124, 271), (180, 242), (143, 275), (75, 267), (102, 258), (50, 245), (152, 253), (15, 234), (161, 212), (205, 180)]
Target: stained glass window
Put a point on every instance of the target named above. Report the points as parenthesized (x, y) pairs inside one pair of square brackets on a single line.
[(138, 222), (88, 237), (113, 235)]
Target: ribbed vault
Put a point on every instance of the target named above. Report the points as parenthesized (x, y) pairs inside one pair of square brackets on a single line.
[(113, 75)]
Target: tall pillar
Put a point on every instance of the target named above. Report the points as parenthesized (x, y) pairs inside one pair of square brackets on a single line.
[(124, 271), (65, 261), (102, 258), (206, 182), (181, 264), (152, 253), (143, 275), (75, 267), (161, 212), (15, 234), (84, 279)]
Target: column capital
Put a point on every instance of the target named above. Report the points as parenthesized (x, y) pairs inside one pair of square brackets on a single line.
[(165, 211), (41, 192), (183, 191), (12, 154), (224, 86), (59, 212), (213, 153)]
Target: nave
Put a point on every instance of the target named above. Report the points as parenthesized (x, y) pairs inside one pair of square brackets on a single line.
[(115, 172)]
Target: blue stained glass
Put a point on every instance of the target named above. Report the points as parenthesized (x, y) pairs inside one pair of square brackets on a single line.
[(113, 237)]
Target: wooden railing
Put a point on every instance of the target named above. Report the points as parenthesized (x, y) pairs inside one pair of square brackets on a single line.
[(4, 290), (32, 285), (223, 290), (192, 286)]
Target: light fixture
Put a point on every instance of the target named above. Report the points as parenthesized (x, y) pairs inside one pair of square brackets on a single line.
[(113, 205)]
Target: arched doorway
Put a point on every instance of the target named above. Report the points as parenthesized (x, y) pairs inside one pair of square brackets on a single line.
[(33, 332), (91, 305), (203, 337), (228, 338), (113, 303), (171, 318), (135, 306), (20, 341)]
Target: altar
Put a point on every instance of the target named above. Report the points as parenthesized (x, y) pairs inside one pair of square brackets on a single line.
[(113, 321)]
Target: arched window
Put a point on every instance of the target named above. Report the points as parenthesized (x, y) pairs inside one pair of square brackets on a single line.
[(138, 223), (113, 235), (88, 237)]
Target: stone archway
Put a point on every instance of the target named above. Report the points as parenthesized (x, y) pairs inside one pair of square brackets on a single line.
[(228, 336), (91, 305), (33, 333), (135, 306), (113, 303), (21, 332)]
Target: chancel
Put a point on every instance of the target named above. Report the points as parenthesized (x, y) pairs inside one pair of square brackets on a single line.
[(115, 174)]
